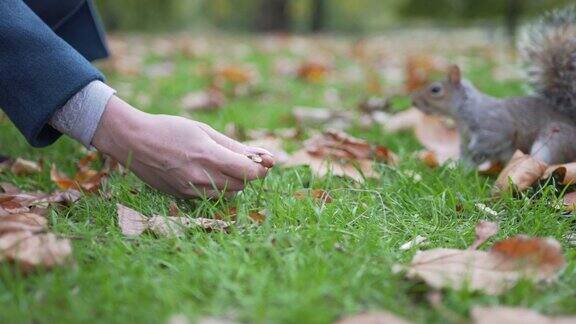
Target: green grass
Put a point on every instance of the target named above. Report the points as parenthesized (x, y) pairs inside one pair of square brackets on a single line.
[(307, 263)]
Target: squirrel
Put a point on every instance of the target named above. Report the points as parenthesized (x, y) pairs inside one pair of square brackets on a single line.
[(542, 124)]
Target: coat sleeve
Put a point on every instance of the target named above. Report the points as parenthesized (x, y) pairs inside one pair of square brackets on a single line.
[(39, 72)]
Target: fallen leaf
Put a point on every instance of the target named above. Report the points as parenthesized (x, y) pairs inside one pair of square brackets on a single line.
[(541, 257), (236, 74), (339, 154), (512, 315), (376, 317), (22, 222), (564, 173), (522, 171), (132, 223), (25, 167), (258, 217), (313, 71), (319, 195), (493, 272), (355, 170), (168, 225), (30, 251), (86, 179), (418, 240), (484, 231)]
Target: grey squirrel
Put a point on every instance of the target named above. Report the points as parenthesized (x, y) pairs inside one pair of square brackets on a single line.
[(543, 124)]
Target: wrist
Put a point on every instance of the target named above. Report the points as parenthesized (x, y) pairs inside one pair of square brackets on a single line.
[(119, 125)]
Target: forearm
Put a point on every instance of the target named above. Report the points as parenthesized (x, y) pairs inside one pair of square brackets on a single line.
[(40, 72)]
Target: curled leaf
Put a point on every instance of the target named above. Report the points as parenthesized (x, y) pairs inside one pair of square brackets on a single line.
[(522, 171)]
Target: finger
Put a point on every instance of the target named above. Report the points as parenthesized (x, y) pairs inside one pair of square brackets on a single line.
[(237, 165)]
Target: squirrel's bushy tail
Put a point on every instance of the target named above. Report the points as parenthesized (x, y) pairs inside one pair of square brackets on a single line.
[(550, 52)]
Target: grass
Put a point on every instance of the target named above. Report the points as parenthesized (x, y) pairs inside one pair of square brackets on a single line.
[(307, 263)]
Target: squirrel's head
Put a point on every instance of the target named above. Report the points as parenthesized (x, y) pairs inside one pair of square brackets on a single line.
[(442, 97)]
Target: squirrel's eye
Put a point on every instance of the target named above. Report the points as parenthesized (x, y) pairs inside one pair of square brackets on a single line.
[(436, 89)]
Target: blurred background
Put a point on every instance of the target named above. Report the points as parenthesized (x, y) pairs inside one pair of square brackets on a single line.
[(240, 64), (500, 17)]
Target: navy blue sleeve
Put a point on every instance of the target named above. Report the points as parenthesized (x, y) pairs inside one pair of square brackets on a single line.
[(39, 72)]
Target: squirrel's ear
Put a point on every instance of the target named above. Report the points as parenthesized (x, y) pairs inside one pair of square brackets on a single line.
[(454, 75)]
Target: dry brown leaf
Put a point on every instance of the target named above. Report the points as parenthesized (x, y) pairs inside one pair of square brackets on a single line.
[(86, 179), (258, 217), (512, 315), (211, 99), (25, 167), (339, 154), (484, 231), (133, 223), (22, 222), (236, 74), (168, 226), (30, 251), (319, 195), (313, 71), (540, 257), (522, 170), (320, 167), (492, 272), (377, 317), (564, 173)]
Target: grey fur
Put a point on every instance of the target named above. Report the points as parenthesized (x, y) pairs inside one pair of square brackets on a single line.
[(549, 51), (543, 125)]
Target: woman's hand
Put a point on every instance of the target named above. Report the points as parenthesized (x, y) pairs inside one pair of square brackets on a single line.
[(177, 155)]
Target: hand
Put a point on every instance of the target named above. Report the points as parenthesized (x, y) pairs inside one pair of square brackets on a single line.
[(176, 155)]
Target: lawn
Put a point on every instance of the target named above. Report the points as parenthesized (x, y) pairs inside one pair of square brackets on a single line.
[(308, 262)]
